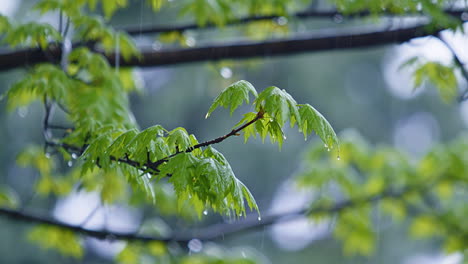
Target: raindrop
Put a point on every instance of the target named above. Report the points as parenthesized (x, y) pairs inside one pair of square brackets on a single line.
[(47, 155), (190, 41), (243, 254), (281, 21), (328, 149), (70, 163), (23, 111), (338, 18), (156, 45), (205, 212), (259, 218), (284, 137), (338, 158), (226, 72), (325, 145), (74, 156), (195, 245)]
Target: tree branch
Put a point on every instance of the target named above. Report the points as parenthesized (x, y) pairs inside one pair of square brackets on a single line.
[(326, 40), (216, 231), (149, 29)]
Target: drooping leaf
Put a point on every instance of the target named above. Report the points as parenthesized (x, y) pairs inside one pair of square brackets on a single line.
[(312, 120), (233, 96), (278, 104)]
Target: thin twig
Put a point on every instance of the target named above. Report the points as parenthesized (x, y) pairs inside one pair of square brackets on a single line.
[(233, 132)]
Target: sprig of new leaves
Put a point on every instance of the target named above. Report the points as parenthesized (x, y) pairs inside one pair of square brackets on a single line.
[(273, 108)]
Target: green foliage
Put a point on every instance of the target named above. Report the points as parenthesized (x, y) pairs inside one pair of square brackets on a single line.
[(443, 77), (8, 198), (312, 120), (30, 35), (172, 173), (64, 241), (233, 96), (434, 9), (368, 177), (278, 104)]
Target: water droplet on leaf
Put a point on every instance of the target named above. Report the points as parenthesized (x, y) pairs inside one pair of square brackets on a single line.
[(205, 212), (338, 158), (74, 156), (70, 163), (259, 218), (47, 155)]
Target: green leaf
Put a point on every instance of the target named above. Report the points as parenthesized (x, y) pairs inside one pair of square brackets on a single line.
[(8, 198), (179, 139), (118, 148), (424, 226), (5, 25), (110, 6), (250, 130), (312, 120), (233, 96), (443, 77), (64, 241), (278, 104)]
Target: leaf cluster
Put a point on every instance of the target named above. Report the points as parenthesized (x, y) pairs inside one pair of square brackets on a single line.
[(384, 176)]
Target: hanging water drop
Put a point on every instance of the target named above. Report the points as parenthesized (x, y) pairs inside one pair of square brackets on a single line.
[(205, 212), (226, 72), (338, 158), (47, 155), (325, 145), (74, 156), (328, 149), (259, 218), (70, 163), (284, 137)]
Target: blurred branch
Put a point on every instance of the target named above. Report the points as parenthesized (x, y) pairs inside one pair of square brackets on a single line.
[(460, 65), (331, 14), (217, 231), (328, 40)]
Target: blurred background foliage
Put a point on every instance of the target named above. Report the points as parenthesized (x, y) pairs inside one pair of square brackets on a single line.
[(362, 92)]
